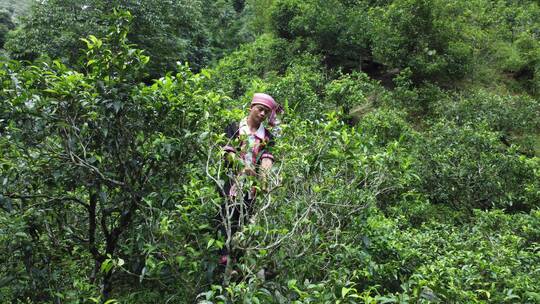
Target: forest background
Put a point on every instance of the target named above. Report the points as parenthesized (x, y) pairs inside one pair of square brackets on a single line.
[(407, 169)]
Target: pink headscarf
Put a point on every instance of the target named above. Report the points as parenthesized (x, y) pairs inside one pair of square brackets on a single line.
[(267, 100)]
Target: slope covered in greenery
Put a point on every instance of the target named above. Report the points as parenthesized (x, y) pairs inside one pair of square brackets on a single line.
[(407, 161), (18, 7)]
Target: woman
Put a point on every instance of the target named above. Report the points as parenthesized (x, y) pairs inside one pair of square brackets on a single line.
[(249, 159)]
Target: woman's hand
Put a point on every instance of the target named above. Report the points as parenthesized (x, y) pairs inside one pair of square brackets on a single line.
[(249, 172)]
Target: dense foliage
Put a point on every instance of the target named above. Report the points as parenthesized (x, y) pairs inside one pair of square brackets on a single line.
[(6, 24), (407, 161), (168, 31), (17, 7)]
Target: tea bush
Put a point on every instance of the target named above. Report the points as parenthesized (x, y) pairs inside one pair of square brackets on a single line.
[(427, 36), (467, 167), (409, 185), (517, 117), (491, 259), (260, 59), (354, 94)]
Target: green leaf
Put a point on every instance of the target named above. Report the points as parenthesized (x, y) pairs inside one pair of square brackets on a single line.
[(344, 291), (21, 234), (106, 266)]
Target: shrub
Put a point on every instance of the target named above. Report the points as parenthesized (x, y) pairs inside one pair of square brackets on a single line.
[(300, 88), (385, 126), (263, 58), (426, 35), (516, 117), (467, 168), (94, 163), (353, 93), (337, 30), (491, 259)]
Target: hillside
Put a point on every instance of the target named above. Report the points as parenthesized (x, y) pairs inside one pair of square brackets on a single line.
[(19, 7), (405, 167)]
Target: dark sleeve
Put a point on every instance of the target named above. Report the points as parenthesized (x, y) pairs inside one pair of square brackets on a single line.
[(231, 133), (267, 152)]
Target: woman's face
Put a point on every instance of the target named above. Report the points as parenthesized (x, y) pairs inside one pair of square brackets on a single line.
[(259, 112)]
